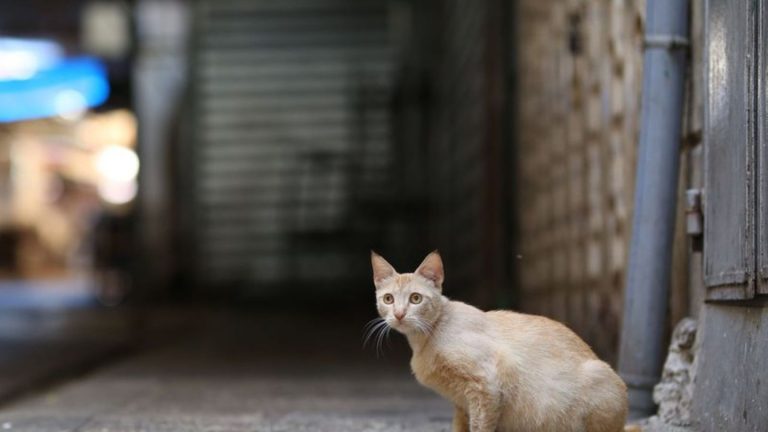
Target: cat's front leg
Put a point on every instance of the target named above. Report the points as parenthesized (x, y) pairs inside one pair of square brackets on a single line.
[(484, 412), (460, 420)]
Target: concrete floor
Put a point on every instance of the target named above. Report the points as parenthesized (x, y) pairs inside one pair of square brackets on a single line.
[(47, 333), (242, 372)]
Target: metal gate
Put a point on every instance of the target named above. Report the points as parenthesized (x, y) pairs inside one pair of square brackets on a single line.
[(290, 130)]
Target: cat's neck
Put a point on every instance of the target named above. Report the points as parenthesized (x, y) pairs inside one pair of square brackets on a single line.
[(417, 340)]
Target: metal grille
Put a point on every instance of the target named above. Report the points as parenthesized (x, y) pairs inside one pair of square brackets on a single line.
[(291, 131)]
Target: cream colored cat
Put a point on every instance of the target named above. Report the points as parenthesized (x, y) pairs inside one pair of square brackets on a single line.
[(503, 371)]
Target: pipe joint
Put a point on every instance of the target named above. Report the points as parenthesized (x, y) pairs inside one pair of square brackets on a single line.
[(639, 381), (667, 42)]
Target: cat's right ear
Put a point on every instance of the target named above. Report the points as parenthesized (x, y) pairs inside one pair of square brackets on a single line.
[(381, 269), (432, 269)]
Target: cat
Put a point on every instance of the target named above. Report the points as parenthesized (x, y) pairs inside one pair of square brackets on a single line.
[(501, 370)]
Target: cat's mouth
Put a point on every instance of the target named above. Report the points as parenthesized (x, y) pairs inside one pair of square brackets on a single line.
[(401, 325), (405, 325), (395, 323), (410, 325)]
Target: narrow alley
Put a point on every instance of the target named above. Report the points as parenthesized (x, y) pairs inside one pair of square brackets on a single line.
[(240, 371), (190, 192)]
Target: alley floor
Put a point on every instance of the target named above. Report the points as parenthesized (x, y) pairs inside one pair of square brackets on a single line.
[(243, 371)]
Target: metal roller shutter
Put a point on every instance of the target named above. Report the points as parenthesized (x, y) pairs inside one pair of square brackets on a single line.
[(291, 128)]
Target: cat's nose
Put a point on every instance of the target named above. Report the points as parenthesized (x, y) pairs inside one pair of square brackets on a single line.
[(399, 315)]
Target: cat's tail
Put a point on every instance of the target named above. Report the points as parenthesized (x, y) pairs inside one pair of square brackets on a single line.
[(633, 428)]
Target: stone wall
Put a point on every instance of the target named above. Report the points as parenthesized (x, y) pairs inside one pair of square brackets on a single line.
[(580, 71)]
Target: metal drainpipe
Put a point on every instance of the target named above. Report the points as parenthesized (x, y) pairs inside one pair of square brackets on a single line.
[(650, 257)]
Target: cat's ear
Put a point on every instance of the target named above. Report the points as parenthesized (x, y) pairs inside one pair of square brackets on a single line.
[(381, 268), (432, 268)]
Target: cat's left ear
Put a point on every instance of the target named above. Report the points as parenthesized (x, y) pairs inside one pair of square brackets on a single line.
[(432, 269), (381, 269)]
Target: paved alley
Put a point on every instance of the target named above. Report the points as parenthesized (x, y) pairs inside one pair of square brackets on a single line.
[(242, 372)]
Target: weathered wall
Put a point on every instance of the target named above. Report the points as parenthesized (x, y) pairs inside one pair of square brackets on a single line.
[(731, 366), (580, 79), (730, 390)]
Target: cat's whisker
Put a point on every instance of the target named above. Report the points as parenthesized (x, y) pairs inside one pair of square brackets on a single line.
[(378, 340), (385, 339), (422, 326), (378, 329), (428, 327), (425, 328), (372, 334), (379, 352), (370, 325), (372, 322), (375, 327), (415, 323)]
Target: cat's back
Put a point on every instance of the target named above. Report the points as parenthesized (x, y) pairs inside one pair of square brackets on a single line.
[(539, 333), (550, 378), (550, 359)]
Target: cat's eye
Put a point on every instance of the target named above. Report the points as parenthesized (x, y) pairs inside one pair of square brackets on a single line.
[(416, 298), (388, 299)]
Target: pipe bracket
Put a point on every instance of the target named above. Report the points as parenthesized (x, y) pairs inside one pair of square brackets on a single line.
[(669, 42)]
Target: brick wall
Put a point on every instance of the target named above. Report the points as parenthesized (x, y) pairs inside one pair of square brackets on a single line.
[(580, 66)]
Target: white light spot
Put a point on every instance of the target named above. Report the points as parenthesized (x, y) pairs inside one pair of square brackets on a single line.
[(118, 192), (18, 65), (117, 164), (70, 105)]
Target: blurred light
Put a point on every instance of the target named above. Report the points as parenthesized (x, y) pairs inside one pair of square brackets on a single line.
[(117, 164), (23, 58), (65, 89), (117, 192), (70, 104), (117, 167), (116, 127), (106, 28), (18, 65)]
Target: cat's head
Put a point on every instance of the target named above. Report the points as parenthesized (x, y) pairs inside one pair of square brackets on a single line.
[(409, 302)]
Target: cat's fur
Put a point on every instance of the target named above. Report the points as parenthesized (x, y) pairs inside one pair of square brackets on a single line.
[(503, 371)]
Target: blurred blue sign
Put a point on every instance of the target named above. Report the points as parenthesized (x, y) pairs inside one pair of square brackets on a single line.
[(22, 58), (35, 82)]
